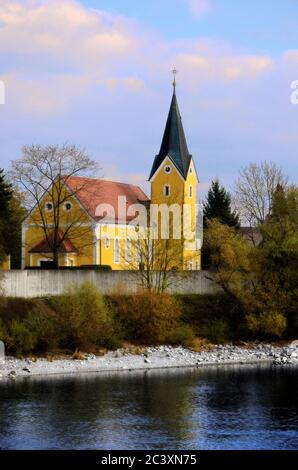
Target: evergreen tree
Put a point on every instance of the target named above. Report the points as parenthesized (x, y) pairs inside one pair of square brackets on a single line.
[(6, 193), (218, 206), (11, 216)]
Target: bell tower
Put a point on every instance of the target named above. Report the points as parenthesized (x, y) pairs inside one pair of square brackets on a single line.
[(174, 180)]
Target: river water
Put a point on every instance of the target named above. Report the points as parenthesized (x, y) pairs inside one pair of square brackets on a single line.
[(227, 407)]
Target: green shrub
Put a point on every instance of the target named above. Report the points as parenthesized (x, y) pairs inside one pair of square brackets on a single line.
[(270, 323), (18, 325), (83, 318), (214, 317), (92, 267), (149, 318), (3, 332), (183, 335), (218, 331), (89, 267), (42, 322), (15, 308), (19, 339)]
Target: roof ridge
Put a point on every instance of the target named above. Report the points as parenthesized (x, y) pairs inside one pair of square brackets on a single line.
[(103, 179)]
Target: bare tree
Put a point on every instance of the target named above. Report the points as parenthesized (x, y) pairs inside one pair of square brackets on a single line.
[(254, 191), (160, 262), (42, 173)]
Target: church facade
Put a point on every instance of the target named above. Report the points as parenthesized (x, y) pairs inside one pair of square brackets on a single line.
[(111, 223)]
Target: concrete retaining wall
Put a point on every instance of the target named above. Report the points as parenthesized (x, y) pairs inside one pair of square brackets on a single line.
[(29, 283)]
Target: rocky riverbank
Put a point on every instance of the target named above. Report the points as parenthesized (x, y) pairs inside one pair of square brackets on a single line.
[(152, 358)]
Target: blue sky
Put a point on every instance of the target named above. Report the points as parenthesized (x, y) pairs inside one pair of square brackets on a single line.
[(97, 73), (267, 26)]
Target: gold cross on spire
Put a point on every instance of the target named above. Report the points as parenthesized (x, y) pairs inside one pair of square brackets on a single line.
[(174, 72)]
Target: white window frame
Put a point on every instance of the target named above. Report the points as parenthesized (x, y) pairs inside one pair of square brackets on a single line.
[(167, 172), (190, 191), (128, 251), (107, 243), (165, 188), (117, 251)]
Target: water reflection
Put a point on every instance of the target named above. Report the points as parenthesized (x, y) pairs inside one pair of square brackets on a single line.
[(215, 408)]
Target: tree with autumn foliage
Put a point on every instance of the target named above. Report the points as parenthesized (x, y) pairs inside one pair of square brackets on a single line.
[(263, 280)]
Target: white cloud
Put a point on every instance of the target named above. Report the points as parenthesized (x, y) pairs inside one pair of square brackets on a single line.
[(292, 55), (61, 32), (75, 73), (130, 83), (46, 95), (53, 51), (59, 49), (200, 7)]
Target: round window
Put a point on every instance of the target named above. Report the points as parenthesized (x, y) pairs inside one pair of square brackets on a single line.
[(67, 206), (168, 169), (49, 206)]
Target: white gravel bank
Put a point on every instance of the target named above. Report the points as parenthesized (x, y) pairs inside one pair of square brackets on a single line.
[(152, 358)]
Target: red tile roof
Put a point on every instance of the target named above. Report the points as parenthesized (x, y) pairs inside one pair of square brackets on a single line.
[(46, 246), (92, 192)]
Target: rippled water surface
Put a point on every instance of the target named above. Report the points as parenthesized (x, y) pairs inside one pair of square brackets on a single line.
[(215, 408)]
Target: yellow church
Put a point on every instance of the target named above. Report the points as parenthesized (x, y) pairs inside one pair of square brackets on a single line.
[(100, 223)]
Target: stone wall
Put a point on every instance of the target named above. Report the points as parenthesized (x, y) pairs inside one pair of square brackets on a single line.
[(31, 283)]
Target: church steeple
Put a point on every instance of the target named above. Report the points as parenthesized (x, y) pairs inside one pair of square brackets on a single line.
[(174, 183), (173, 143)]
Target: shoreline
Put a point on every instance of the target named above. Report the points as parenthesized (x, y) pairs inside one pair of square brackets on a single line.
[(152, 358)]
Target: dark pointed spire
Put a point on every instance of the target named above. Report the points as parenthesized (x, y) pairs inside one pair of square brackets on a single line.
[(173, 143)]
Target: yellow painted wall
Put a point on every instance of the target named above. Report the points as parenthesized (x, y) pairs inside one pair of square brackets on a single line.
[(83, 237), (80, 234), (107, 242), (82, 240), (192, 256), (179, 194), (5, 264)]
